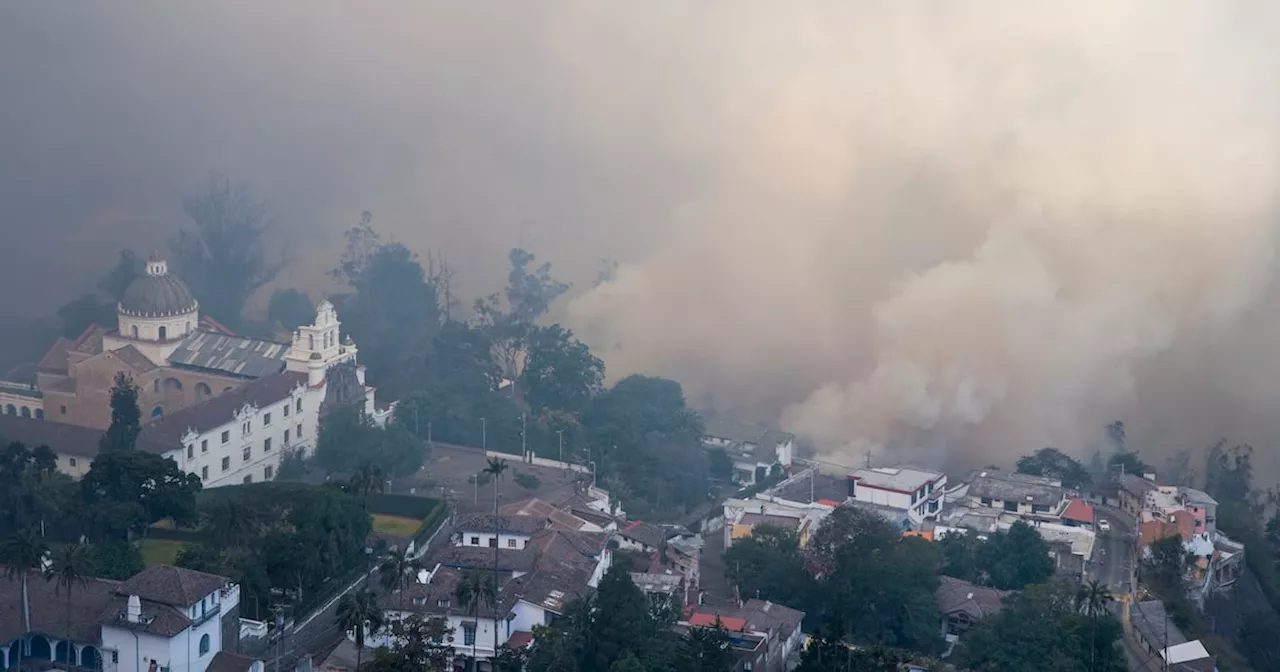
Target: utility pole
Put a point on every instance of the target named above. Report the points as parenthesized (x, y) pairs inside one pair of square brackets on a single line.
[(428, 432), (560, 433), (812, 470), (484, 436), (868, 454), (524, 446)]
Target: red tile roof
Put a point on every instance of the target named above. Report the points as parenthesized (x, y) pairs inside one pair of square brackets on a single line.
[(709, 621), (1079, 510)]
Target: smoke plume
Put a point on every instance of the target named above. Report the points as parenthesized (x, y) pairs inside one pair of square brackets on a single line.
[(957, 232)]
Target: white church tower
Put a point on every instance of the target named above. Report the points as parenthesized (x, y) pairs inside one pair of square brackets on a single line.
[(317, 347)]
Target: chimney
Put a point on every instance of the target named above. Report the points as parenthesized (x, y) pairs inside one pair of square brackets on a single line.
[(133, 612)]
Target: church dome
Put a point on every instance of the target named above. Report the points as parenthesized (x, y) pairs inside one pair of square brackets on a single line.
[(157, 294)]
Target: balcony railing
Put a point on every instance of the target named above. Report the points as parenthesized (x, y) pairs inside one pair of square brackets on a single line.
[(208, 614)]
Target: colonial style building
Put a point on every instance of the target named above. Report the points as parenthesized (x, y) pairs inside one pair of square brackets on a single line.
[(225, 408)]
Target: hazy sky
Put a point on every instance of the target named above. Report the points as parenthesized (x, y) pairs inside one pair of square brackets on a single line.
[(949, 231)]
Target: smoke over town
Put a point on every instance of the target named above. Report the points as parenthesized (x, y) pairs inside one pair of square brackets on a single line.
[(953, 232)]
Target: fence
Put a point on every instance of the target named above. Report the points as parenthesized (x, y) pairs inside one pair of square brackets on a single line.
[(539, 461)]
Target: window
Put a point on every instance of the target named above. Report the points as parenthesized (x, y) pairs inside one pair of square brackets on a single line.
[(204, 445), (267, 472), (226, 436), (475, 541), (134, 330), (299, 406), (468, 634), (64, 410), (248, 479), (164, 333), (266, 445), (286, 437), (266, 419), (299, 432), (39, 414), (419, 600), (286, 410), (226, 464), (246, 427), (71, 461), (493, 542), (511, 543), (986, 501), (191, 451), (204, 473), (247, 452), (204, 644), (1011, 507), (444, 604)]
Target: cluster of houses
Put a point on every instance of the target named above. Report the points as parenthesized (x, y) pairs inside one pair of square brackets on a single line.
[(163, 619)]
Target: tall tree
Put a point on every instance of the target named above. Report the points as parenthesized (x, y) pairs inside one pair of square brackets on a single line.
[(1053, 463), (530, 292), (476, 590), (126, 419), (21, 553), (1016, 558), (768, 565), (706, 650), (72, 566), (124, 492), (223, 256), (1092, 600), (398, 569), (290, 308), (358, 613), (366, 480), (415, 647), (560, 372), (496, 468), (621, 624)]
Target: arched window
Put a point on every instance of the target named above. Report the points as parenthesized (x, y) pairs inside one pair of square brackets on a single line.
[(26, 412), (39, 414), (186, 329), (164, 332), (157, 412), (203, 391), (204, 644), (10, 410), (173, 384), (134, 329), (156, 386), (311, 341)]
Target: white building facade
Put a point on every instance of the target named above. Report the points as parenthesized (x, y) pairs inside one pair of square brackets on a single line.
[(919, 492)]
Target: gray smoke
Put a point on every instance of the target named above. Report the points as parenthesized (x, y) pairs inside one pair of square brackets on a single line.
[(949, 231)]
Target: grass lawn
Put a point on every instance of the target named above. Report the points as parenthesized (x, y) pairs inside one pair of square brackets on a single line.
[(160, 551), (396, 525)]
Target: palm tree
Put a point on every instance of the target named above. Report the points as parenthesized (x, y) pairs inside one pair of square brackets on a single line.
[(366, 480), (495, 469), (476, 589), (20, 553), (358, 612), (72, 565), (395, 570), (1092, 599)]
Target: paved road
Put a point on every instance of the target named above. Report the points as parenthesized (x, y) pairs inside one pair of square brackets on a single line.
[(1112, 561)]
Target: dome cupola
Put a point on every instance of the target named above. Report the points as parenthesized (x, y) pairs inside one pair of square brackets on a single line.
[(157, 294)]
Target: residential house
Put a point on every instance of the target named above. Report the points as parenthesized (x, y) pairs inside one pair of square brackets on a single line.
[(1202, 506), (75, 446), (1067, 563), (536, 584), (165, 616), (487, 530), (741, 516), (1078, 514), (1188, 657), (764, 634), (755, 451), (962, 604), (684, 555), (920, 492), (1154, 628), (660, 588), (225, 661), (641, 536), (555, 517), (1032, 497), (1133, 493)]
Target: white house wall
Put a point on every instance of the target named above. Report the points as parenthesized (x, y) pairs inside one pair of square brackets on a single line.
[(135, 654), (259, 459), (483, 539)]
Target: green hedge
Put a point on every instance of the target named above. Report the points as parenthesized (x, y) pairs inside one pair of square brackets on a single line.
[(430, 522), (405, 506)]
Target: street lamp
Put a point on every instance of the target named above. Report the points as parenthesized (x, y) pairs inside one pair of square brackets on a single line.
[(593, 472), (484, 436), (560, 433)]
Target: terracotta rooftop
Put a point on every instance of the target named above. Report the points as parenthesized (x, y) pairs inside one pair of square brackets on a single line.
[(1079, 510)]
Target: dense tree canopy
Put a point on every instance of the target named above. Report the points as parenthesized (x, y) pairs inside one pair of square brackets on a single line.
[(349, 438), (560, 372), (290, 309), (124, 492), (223, 256), (1054, 463)]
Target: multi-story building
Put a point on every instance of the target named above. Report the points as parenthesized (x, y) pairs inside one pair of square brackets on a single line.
[(919, 492)]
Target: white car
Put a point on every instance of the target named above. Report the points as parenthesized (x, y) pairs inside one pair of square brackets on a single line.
[(1104, 526)]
